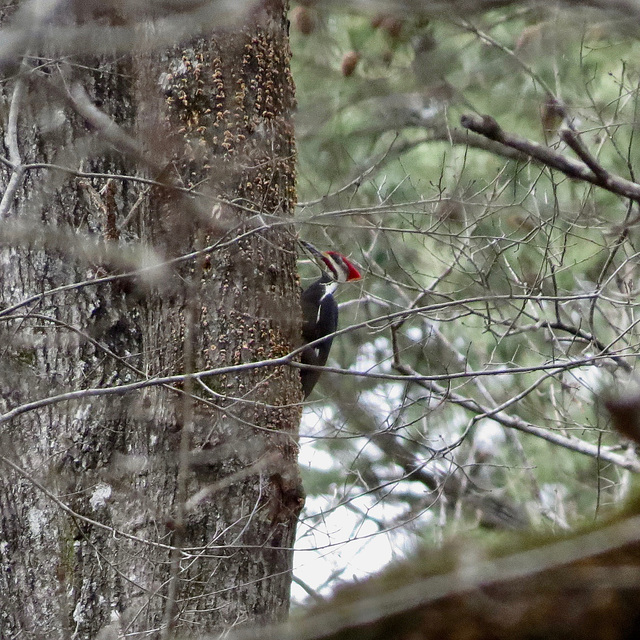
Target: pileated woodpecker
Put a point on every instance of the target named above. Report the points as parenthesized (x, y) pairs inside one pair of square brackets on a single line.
[(320, 313)]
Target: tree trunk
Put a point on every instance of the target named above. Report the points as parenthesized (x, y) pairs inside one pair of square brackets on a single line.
[(170, 506)]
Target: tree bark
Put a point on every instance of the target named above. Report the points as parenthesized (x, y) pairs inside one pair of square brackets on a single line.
[(171, 507)]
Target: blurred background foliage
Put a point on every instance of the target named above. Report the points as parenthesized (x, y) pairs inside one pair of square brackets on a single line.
[(523, 282)]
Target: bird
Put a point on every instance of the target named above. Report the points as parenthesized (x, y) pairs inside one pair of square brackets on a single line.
[(320, 313)]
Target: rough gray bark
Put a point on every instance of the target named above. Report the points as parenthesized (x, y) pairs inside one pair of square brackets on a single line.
[(166, 508)]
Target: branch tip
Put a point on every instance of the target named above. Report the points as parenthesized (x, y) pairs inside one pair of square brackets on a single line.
[(484, 125)]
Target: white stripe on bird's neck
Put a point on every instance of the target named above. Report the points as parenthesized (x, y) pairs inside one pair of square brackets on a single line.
[(329, 288)]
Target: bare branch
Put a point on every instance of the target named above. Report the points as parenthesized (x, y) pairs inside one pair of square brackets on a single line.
[(488, 127), (515, 422)]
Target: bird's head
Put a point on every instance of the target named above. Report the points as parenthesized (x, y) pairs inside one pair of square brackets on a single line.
[(341, 269)]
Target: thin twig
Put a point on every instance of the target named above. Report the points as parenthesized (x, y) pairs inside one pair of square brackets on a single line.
[(11, 141)]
